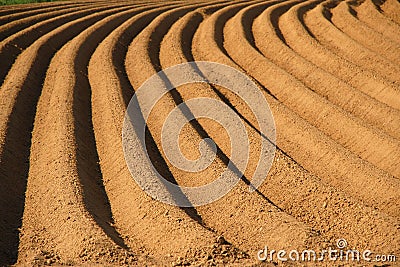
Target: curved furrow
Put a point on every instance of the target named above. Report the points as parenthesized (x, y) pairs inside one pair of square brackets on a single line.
[(141, 53), (12, 46), (29, 15), (327, 155), (63, 125), (344, 17), (270, 42), (30, 66), (19, 94), (68, 70), (318, 21), (176, 49), (371, 15), (352, 133), (111, 94), (10, 9), (15, 8), (301, 194), (297, 37), (391, 9), (16, 26)]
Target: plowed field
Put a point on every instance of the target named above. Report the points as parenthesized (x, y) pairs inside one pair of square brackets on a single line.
[(329, 70)]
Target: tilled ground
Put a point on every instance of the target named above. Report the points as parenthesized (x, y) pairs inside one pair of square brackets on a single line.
[(330, 71)]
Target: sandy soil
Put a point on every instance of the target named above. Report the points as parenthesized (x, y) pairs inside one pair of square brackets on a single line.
[(330, 71)]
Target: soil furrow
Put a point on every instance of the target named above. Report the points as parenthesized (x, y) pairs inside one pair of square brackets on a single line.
[(344, 17), (371, 15), (351, 133), (9, 13), (26, 68), (268, 41), (298, 37), (19, 96), (318, 21), (288, 178), (88, 168), (8, 9), (328, 150), (112, 92), (390, 9), (179, 39), (328, 69), (16, 26), (23, 88), (145, 54), (12, 46)]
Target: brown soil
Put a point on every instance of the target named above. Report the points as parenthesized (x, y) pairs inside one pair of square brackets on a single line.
[(330, 71)]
